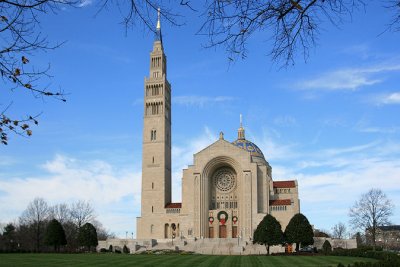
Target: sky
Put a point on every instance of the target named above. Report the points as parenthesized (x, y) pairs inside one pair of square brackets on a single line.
[(331, 122)]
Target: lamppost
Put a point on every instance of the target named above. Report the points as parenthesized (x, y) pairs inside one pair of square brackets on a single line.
[(126, 235), (132, 235)]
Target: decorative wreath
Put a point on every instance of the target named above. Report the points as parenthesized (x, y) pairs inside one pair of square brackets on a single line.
[(211, 219), (234, 219), (223, 220)]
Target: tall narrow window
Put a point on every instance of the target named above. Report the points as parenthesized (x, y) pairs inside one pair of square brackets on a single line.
[(152, 209), (152, 185)]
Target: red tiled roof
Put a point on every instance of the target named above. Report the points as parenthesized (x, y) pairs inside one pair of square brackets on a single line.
[(280, 202), (285, 184), (173, 206)]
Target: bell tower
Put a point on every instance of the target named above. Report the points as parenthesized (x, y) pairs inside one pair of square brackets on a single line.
[(156, 155)]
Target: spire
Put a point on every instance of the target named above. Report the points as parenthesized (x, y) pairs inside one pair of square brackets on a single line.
[(241, 129), (158, 19), (158, 36)]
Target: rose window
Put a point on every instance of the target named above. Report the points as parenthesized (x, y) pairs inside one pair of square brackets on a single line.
[(224, 179)]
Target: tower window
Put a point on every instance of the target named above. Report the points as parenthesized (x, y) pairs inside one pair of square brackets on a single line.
[(152, 185), (153, 135), (152, 209)]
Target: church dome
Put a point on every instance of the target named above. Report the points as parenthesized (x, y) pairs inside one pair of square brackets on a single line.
[(241, 142), (249, 146)]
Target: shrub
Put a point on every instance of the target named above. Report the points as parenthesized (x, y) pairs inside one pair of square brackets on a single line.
[(126, 250), (385, 259), (110, 248), (326, 247), (103, 250)]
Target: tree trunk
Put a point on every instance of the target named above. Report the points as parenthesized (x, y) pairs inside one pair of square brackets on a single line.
[(267, 249)]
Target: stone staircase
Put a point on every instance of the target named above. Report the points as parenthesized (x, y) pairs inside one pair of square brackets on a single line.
[(210, 246)]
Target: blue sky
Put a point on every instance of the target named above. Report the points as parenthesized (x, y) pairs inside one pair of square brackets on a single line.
[(332, 122)]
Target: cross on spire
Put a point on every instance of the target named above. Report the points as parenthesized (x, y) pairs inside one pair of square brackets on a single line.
[(158, 36)]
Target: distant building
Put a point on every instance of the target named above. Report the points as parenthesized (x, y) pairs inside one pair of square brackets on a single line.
[(388, 237)]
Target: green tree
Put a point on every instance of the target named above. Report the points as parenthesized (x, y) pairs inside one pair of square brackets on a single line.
[(126, 250), (9, 237), (268, 232), (299, 231), (326, 247), (87, 236), (55, 235)]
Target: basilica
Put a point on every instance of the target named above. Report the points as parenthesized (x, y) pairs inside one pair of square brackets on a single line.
[(227, 190)]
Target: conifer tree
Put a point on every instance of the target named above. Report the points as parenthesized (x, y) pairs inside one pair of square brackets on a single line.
[(299, 231), (55, 235), (268, 232)]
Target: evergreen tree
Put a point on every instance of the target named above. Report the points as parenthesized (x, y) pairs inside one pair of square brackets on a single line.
[(268, 232), (9, 236), (326, 247), (299, 231), (55, 235), (87, 236)]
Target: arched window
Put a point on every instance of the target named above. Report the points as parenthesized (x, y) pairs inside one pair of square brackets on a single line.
[(153, 135), (151, 229)]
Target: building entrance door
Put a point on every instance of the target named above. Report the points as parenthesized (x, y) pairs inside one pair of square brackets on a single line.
[(222, 231), (234, 231), (211, 232)]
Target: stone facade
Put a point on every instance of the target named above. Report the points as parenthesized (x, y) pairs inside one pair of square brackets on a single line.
[(225, 192)]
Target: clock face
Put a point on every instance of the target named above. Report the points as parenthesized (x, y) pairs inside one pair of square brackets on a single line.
[(224, 179)]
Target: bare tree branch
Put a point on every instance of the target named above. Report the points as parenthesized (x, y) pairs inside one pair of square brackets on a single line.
[(82, 212), (339, 230), (21, 38), (371, 211)]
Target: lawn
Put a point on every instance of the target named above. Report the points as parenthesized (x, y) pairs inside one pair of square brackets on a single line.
[(117, 260)]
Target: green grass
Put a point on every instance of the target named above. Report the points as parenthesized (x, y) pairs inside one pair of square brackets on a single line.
[(119, 260)]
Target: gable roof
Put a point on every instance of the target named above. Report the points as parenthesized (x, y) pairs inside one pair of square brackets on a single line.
[(280, 202), (173, 206), (285, 184)]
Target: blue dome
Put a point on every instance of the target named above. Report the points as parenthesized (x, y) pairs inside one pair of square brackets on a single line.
[(249, 146)]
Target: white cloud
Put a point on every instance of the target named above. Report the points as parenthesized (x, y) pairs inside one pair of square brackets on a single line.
[(332, 179), (66, 179), (388, 99), (84, 3), (348, 78), (182, 156), (200, 101)]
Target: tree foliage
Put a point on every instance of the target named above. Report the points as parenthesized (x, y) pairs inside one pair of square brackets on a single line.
[(299, 231), (268, 232), (88, 236), (291, 27), (36, 232), (21, 38), (8, 237), (372, 210), (55, 235), (327, 247)]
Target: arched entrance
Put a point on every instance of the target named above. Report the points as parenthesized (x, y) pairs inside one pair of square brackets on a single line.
[(223, 202)]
